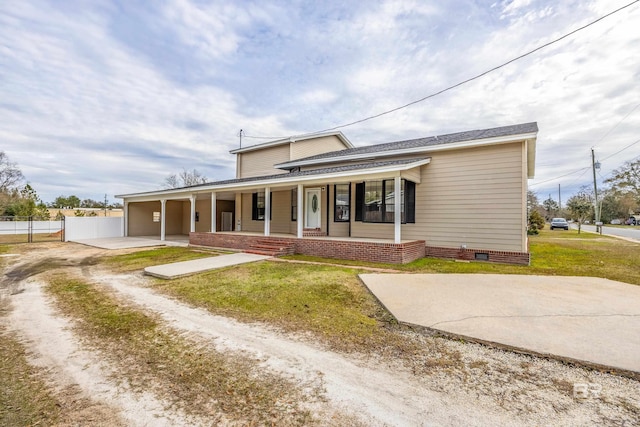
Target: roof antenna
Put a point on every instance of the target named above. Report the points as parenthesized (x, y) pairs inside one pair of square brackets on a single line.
[(240, 135)]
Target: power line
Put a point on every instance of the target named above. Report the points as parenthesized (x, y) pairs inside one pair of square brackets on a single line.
[(478, 75), (620, 151)]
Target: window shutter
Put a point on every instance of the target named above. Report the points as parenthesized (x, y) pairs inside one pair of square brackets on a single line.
[(410, 201), (359, 200), (254, 206)]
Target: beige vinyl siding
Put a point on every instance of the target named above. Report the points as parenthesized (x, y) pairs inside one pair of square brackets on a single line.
[(247, 223), (280, 211), (413, 175), (472, 197), (260, 162), (307, 148)]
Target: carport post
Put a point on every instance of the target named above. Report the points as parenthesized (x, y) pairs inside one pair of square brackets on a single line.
[(214, 213), (299, 213), (163, 220), (267, 211), (125, 221), (192, 222), (397, 215)]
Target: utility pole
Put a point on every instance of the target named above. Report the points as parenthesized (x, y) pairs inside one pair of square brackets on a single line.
[(559, 200), (595, 165), (105, 205)]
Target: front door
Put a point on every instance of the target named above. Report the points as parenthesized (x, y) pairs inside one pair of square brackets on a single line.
[(312, 215)]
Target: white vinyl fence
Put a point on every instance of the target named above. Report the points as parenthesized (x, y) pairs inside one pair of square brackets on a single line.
[(22, 226), (92, 227)]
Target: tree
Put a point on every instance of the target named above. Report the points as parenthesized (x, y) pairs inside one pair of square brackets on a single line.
[(550, 207), (185, 179), (626, 179), (10, 175), (580, 206), (90, 203), (66, 202), (536, 223), (27, 203)]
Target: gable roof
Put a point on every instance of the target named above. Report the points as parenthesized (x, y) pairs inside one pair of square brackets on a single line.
[(448, 141), (277, 142)]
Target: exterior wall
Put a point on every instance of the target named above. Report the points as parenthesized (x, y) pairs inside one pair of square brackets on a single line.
[(203, 207), (176, 217), (339, 249), (471, 197), (260, 162), (280, 213), (140, 219), (522, 258), (337, 229), (311, 147)]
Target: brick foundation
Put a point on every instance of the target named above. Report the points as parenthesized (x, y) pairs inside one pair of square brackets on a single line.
[(506, 257), (393, 253)]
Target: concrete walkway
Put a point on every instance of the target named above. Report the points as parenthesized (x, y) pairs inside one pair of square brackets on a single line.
[(586, 319), (186, 268)]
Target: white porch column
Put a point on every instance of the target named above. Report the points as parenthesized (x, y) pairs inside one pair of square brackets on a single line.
[(214, 212), (163, 219), (125, 222), (192, 223), (397, 215), (300, 223), (267, 210)]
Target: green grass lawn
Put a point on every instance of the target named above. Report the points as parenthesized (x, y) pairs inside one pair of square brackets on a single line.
[(330, 302), (137, 260)]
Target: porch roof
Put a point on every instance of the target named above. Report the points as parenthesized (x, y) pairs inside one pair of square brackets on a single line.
[(293, 177)]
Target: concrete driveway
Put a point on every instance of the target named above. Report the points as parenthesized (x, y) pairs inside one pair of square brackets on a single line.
[(130, 242), (590, 320)]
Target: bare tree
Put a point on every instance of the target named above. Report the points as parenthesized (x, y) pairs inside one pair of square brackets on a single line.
[(10, 175), (185, 179)]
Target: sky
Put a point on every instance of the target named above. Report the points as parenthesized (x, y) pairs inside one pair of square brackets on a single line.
[(111, 97)]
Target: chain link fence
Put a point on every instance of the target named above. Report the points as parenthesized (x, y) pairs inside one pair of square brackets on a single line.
[(27, 229)]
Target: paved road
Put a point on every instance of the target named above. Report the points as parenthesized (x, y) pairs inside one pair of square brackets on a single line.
[(629, 232)]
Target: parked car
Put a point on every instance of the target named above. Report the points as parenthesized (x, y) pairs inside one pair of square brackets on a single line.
[(616, 222), (633, 220), (559, 223)]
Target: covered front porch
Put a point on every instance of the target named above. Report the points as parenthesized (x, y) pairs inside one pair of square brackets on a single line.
[(350, 248)]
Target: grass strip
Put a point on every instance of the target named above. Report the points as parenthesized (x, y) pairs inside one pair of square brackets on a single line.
[(193, 377), (140, 259)]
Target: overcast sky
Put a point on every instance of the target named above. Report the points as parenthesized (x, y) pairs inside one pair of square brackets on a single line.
[(110, 97)]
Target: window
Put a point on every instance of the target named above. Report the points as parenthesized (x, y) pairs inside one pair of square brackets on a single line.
[(341, 202), (294, 205), (257, 207), (156, 217), (375, 201)]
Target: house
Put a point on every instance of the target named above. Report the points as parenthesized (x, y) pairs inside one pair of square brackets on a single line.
[(460, 195)]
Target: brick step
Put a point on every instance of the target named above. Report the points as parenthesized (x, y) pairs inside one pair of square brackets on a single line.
[(313, 232), (271, 247)]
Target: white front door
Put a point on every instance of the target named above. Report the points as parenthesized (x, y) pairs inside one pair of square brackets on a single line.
[(313, 211)]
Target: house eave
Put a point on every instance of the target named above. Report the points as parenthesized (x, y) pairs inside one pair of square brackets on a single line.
[(181, 193)]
